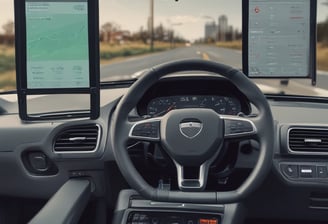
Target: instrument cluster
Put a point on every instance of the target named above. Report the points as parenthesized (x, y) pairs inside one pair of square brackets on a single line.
[(225, 105)]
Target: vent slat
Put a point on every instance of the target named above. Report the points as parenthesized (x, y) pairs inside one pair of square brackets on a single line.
[(77, 139), (298, 136), (82, 134), (68, 141), (74, 145), (75, 149)]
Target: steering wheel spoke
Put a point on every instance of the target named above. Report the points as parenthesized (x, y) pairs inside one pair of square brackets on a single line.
[(239, 127), (192, 184), (146, 130)]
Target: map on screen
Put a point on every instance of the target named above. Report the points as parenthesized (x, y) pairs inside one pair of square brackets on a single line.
[(57, 48), (279, 38)]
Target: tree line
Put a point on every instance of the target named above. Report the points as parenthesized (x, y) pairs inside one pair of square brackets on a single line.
[(110, 30), (322, 32)]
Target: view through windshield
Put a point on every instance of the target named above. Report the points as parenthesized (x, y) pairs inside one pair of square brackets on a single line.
[(136, 35)]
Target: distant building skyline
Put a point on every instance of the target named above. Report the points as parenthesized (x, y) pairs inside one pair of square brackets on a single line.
[(221, 31), (223, 27), (211, 30)]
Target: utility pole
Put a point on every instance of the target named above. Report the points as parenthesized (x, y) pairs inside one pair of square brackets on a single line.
[(173, 38), (151, 25)]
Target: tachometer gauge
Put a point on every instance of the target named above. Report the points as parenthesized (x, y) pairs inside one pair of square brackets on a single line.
[(219, 104)]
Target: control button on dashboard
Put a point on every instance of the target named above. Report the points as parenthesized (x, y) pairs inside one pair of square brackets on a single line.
[(307, 171), (174, 220), (190, 221), (208, 221), (143, 217), (290, 170), (155, 221), (135, 217), (237, 127), (38, 161), (147, 129), (322, 171), (204, 221)]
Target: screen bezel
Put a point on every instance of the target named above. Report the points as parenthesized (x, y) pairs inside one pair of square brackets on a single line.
[(21, 64), (312, 50)]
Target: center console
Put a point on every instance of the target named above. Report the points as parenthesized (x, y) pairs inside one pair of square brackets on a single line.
[(172, 217), (133, 209)]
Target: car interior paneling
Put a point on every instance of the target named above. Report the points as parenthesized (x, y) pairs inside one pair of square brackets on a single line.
[(267, 162), (270, 202)]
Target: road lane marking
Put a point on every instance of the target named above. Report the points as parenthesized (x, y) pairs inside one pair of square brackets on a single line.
[(198, 52), (206, 57), (215, 55)]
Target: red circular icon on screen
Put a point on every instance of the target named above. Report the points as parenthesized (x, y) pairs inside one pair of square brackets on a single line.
[(257, 9)]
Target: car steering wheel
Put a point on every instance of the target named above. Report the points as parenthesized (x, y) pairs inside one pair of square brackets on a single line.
[(193, 137)]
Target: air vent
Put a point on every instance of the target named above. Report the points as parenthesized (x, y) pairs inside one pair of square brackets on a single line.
[(78, 139), (308, 140)]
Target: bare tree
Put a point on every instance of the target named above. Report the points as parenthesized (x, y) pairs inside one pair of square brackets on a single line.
[(107, 29), (9, 27)]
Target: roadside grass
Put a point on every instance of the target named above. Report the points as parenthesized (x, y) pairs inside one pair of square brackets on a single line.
[(237, 45), (7, 80), (7, 50), (322, 57), (7, 68), (108, 52), (7, 63)]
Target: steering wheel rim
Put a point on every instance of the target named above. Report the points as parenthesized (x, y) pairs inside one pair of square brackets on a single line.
[(121, 129)]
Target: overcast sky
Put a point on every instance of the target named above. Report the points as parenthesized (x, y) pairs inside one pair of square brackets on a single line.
[(191, 15)]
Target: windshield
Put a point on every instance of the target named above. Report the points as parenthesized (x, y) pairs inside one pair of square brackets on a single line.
[(137, 35)]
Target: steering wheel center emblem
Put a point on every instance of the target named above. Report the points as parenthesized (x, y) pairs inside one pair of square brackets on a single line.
[(190, 129)]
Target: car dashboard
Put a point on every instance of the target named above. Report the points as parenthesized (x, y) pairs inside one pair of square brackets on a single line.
[(36, 158)]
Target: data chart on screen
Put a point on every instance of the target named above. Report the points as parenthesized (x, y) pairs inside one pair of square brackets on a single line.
[(57, 49)]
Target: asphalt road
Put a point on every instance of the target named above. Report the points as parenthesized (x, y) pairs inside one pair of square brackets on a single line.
[(132, 67)]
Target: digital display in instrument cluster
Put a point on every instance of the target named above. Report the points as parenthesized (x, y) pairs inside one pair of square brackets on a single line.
[(220, 104)]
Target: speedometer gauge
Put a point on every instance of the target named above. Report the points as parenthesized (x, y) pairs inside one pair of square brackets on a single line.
[(160, 106)]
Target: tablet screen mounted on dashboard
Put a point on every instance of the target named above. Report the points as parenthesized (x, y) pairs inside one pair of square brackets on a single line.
[(279, 38), (57, 51)]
